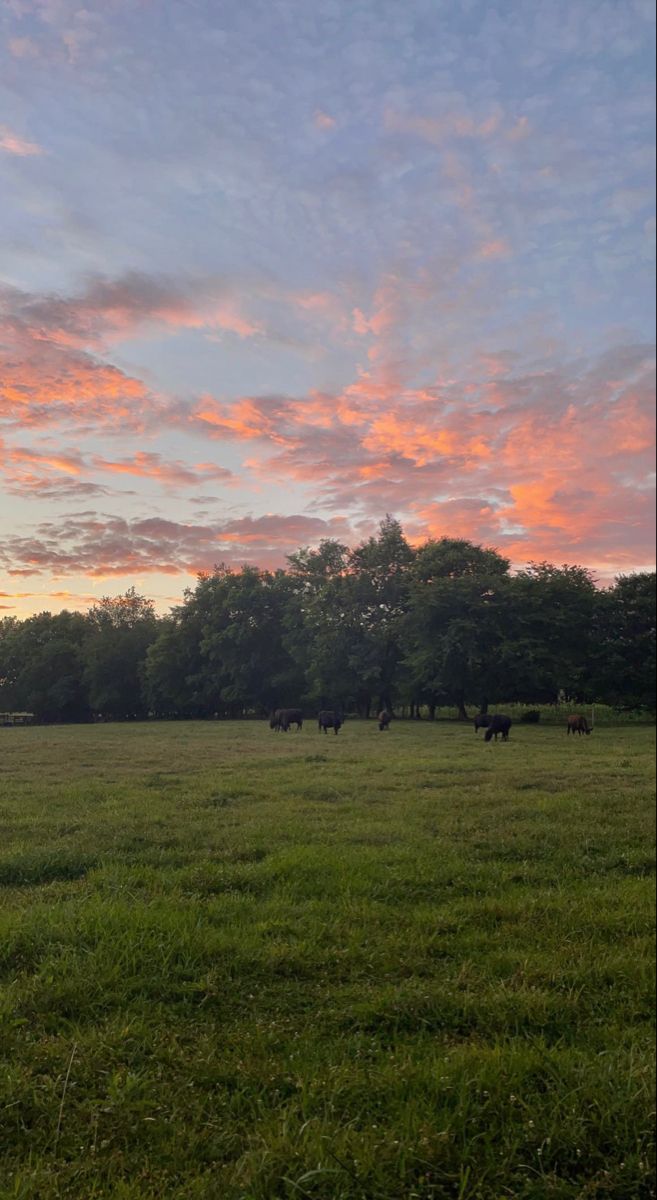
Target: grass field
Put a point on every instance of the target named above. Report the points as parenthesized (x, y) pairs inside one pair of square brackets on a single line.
[(247, 965)]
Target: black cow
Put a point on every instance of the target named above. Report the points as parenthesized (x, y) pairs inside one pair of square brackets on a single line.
[(578, 724), (284, 717), (329, 720), (384, 718), (292, 716), (498, 724), (482, 721)]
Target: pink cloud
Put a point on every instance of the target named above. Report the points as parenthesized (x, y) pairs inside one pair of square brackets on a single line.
[(34, 472), (550, 462), (107, 310), (441, 128), (521, 130), (101, 546), (496, 248), (13, 143), (23, 47), (322, 120), (565, 457), (153, 466)]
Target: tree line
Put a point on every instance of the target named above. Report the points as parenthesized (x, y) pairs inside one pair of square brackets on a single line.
[(383, 625)]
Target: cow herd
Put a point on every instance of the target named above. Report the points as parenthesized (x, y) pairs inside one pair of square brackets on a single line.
[(495, 724)]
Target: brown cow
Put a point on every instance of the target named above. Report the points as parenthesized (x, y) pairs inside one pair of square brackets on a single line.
[(577, 724), (384, 718)]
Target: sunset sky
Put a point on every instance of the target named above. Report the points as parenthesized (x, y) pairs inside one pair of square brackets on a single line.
[(271, 270)]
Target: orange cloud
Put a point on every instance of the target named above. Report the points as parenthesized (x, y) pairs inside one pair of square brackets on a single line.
[(50, 385), (66, 463), (152, 466)]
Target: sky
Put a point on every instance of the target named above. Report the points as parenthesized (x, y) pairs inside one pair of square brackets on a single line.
[(272, 270)]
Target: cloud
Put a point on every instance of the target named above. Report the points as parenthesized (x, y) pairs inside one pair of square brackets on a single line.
[(107, 309), (365, 259), (13, 143), (47, 376), (497, 248), (77, 599), (563, 455), (173, 474), (31, 472), (438, 129), (322, 120), (23, 47), (100, 546)]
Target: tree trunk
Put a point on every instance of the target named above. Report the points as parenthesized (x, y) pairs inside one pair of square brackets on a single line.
[(463, 712), (483, 707), (432, 712)]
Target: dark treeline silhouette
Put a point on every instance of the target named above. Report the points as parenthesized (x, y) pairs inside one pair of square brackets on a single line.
[(374, 629)]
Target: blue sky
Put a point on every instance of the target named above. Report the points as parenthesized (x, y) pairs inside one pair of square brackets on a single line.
[(269, 271)]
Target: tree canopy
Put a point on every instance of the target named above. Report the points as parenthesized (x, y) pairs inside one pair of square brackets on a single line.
[(381, 625)]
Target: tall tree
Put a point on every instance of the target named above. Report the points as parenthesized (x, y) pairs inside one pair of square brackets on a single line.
[(624, 642), (380, 570), (549, 648), (452, 635), (120, 631), (240, 618), (43, 667)]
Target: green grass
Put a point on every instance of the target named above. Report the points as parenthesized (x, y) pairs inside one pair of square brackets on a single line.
[(400, 966), (557, 714)]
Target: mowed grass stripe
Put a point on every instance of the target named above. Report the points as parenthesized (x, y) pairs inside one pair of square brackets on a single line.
[(379, 965)]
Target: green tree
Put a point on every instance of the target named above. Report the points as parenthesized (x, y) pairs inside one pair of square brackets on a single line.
[(549, 647), (120, 631), (236, 657), (457, 613), (350, 607), (43, 666), (624, 642)]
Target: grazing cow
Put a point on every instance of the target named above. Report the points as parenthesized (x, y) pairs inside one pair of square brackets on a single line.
[(482, 721), (578, 724), (384, 718), (284, 717), (498, 724), (329, 720), (292, 716)]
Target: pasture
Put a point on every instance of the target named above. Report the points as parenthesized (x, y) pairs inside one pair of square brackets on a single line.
[(248, 965)]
